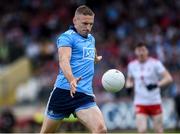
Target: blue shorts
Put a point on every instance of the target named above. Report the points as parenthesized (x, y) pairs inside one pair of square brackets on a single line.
[(61, 104)]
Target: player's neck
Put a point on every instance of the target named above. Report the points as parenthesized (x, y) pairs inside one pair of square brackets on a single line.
[(143, 60), (73, 28)]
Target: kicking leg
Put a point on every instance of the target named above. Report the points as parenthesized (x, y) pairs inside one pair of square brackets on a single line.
[(49, 125), (92, 118)]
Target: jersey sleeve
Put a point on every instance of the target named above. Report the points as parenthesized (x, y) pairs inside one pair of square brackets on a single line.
[(160, 67), (64, 41)]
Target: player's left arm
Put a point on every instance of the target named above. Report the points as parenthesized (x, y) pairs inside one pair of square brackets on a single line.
[(97, 58), (166, 79)]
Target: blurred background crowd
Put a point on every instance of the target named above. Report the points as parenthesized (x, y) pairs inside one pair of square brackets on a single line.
[(29, 28)]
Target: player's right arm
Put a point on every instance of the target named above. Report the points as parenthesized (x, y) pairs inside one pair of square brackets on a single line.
[(64, 63), (129, 82), (64, 44), (129, 85)]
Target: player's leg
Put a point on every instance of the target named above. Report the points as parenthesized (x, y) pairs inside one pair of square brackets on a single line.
[(141, 118), (56, 110), (156, 114), (92, 118), (158, 123), (141, 123), (49, 125)]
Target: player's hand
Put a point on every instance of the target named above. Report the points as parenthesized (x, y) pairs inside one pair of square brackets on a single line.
[(151, 87), (73, 85), (98, 58)]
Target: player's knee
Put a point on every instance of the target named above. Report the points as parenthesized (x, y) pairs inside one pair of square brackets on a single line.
[(100, 129), (103, 130), (158, 129), (47, 130), (142, 130)]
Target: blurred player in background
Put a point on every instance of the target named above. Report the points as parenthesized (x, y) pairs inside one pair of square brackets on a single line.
[(73, 91), (147, 76)]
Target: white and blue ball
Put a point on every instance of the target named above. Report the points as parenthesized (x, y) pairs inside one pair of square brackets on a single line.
[(113, 80)]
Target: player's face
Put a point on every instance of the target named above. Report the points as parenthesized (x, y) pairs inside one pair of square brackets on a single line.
[(83, 24), (141, 53)]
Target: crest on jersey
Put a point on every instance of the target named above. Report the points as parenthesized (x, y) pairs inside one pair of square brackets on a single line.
[(88, 53)]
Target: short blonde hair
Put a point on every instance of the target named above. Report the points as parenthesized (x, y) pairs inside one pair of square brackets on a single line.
[(84, 10)]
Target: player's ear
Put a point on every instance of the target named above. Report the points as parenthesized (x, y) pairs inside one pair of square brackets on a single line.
[(147, 52), (74, 20), (136, 51)]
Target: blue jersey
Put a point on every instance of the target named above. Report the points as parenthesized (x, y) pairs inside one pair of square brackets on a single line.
[(82, 60)]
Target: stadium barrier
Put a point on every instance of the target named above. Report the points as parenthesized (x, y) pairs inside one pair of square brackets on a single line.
[(121, 115), (11, 77)]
